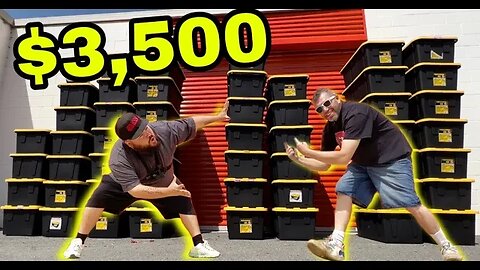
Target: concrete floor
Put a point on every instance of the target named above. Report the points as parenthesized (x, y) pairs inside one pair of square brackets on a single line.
[(39, 248)]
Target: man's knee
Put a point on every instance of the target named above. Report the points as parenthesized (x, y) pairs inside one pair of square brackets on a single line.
[(342, 188), (92, 211), (415, 210)]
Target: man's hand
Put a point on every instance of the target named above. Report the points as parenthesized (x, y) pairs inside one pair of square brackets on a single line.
[(290, 152), (222, 115), (179, 190), (203, 120), (302, 147), (309, 163)]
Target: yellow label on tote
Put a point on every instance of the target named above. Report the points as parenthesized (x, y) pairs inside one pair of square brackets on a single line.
[(439, 79), (447, 166), (441, 107), (391, 109), (435, 56), (151, 116), (445, 135), (102, 224), (295, 196), (289, 90), (246, 226), (152, 91), (385, 57), (107, 143), (60, 196), (146, 225), (55, 223)]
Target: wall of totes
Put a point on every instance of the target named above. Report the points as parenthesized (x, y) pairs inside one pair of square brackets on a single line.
[(415, 85), (267, 194), (53, 171)]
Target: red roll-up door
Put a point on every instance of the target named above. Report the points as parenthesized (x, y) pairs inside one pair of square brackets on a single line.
[(317, 43)]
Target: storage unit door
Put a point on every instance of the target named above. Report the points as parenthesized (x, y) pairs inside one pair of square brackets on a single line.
[(317, 43)]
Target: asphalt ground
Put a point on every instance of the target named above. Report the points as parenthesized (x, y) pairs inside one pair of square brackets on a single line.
[(40, 248)]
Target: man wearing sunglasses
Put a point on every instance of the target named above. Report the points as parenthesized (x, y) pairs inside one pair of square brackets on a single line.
[(378, 158), (141, 169)]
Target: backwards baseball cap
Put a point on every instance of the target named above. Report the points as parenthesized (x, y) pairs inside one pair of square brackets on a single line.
[(130, 126)]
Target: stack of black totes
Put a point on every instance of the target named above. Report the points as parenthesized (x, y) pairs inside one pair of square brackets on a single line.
[(69, 166), (292, 185), (26, 192), (245, 157), (441, 160)]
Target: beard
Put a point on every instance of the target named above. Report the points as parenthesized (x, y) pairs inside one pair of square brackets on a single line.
[(145, 148), (152, 144), (333, 118)]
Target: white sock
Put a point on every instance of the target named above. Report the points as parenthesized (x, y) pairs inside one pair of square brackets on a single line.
[(440, 238), (338, 237)]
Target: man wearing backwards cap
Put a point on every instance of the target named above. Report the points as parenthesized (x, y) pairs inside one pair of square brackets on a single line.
[(141, 169)]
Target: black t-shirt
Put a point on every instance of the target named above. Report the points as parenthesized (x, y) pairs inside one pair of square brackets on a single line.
[(381, 141)]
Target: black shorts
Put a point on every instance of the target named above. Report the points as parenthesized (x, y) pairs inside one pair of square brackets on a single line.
[(110, 196)]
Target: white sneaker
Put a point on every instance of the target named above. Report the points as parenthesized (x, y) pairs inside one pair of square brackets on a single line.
[(450, 253), (203, 250), (73, 251), (327, 249)]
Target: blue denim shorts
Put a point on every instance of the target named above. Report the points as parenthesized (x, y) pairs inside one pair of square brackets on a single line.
[(394, 183)]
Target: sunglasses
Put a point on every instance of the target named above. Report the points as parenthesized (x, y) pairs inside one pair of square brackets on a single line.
[(327, 103)]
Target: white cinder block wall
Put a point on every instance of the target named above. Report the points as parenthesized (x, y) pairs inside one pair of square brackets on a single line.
[(5, 36), (5, 39), (409, 24)]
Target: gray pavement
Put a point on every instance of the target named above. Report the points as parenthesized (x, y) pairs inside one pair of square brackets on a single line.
[(39, 248)]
